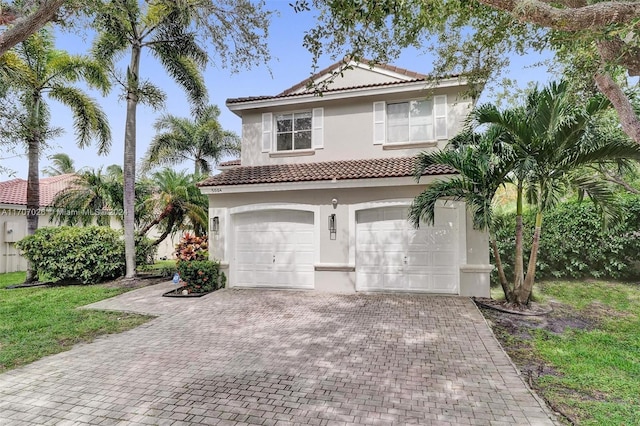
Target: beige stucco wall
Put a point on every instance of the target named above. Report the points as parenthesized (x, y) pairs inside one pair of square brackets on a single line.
[(339, 254), (348, 128)]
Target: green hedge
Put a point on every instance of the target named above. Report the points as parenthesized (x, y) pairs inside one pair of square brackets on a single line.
[(574, 243), (88, 254)]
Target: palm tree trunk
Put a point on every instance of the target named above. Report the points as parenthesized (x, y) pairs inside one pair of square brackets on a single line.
[(165, 234), (130, 163), (524, 294), (33, 180), (518, 266), (501, 276), (166, 212)]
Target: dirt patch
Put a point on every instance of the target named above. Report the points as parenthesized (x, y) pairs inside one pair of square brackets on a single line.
[(137, 282)]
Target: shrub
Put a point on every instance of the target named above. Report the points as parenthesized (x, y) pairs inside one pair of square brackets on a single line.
[(201, 276), (145, 251), (192, 247), (87, 254), (575, 244)]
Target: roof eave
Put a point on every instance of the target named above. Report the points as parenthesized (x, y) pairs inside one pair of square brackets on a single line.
[(321, 184)]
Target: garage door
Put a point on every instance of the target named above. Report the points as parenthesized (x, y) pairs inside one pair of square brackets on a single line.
[(274, 249), (392, 255)]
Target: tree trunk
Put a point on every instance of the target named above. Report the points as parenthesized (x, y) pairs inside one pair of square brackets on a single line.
[(166, 212), (130, 163), (25, 26), (165, 234), (501, 276), (628, 119), (33, 179), (518, 261), (33, 200), (522, 297)]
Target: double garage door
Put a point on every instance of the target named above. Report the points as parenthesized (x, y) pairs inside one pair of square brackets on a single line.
[(392, 255), (277, 248)]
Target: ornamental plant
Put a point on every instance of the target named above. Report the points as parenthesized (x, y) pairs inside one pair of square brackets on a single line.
[(201, 276), (192, 247)]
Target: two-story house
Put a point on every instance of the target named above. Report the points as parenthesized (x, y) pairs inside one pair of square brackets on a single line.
[(320, 195)]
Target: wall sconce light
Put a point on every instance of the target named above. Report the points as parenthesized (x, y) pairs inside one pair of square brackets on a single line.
[(332, 226), (215, 224), (334, 202)]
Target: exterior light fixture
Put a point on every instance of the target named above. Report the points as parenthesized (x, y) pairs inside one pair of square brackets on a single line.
[(332, 226), (215, 224)]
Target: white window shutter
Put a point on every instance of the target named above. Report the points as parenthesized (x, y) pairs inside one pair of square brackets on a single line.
[(440, 115), (317, 132), (267, 125), (379, 128)]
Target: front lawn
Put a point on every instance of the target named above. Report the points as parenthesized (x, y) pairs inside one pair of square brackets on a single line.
[(39, 321), (584, 358)]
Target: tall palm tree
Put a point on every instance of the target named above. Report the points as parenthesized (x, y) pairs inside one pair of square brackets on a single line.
[(484, 162), (551, 144), (202, 140), (35, 70), (165, 28), (177, 204), (61, 164)]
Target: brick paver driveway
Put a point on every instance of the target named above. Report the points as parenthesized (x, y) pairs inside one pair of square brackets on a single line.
[(278, 357)]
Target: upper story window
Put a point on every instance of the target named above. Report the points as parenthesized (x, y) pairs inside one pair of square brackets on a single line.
[(293, 131), (422, 120)]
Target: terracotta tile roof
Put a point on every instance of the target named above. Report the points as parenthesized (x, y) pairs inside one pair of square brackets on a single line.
[(306, 172), (230, 163), (410, 74), (15, 191)]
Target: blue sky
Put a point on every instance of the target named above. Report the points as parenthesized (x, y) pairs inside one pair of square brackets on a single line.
[(291, 63)]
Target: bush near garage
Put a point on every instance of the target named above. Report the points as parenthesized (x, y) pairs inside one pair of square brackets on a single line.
[(201, 276), (192, 247), (575, 243)]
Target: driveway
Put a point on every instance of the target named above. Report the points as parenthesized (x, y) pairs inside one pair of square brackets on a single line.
[(279, 357)]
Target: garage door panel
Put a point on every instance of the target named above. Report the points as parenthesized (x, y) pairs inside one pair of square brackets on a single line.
[(274, 249), (393, 255)]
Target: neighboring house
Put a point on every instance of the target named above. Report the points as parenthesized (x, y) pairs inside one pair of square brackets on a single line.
[(319, 197), (13, 219)]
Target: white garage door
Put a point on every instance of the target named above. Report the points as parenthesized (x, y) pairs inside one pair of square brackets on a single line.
[(392, 255), (274, 249)]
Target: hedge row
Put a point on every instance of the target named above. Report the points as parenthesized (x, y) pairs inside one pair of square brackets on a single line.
[(87, 254), (575, 244)]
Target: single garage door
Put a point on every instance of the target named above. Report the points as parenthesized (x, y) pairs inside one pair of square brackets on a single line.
[(274, 249), (392, 255)]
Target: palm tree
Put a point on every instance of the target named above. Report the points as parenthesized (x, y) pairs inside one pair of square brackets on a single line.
[(483, 162), (202, 140), (165, 28), (35, 70), (92, 196), (62, 164), (551, 144), (177, 204)]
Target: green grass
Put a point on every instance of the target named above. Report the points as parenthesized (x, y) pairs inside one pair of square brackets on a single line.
[(36, 322), (599, 380)]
